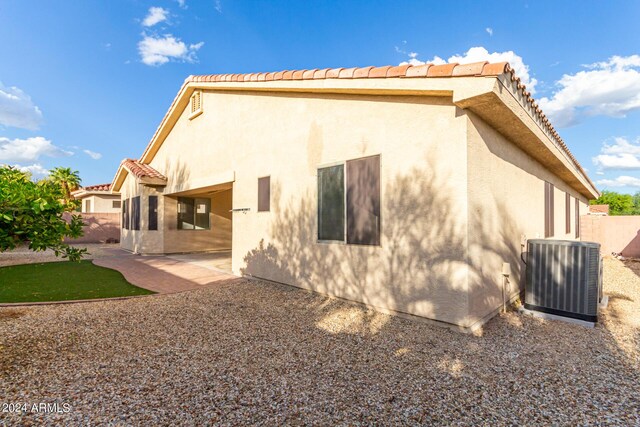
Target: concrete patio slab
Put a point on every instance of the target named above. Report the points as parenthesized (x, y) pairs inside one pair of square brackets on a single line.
[(219, 261), (164, 274)]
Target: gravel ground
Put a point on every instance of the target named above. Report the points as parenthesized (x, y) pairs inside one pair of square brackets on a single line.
[(254, 353), (22, 254)]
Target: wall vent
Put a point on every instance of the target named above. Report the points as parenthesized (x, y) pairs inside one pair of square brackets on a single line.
[(564, 278), (195, 104)]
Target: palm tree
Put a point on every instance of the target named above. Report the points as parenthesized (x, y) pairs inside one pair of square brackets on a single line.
[(67, 179)]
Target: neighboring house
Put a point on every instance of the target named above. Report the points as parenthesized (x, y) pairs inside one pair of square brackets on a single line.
[(98, 198), (100, 209), (598, 209), (405, 188)]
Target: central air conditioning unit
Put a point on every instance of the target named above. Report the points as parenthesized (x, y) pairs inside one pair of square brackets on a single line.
[(564, 278)]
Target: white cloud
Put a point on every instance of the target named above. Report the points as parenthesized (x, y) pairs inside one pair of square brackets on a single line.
[(621, 146), (155, 16), (621, 154), (609, 88), (478, 54), (17, 109), (28, 150), (94, 155), (36, 170), (160, 50), (218, 5), (182, 4), (621, 181), (413, 59), (489, 31), (618, 161)]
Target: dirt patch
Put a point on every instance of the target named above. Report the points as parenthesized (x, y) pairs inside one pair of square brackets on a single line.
[(10, 313)]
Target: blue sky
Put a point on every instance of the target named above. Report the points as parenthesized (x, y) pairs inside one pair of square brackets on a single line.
[(85, 84)]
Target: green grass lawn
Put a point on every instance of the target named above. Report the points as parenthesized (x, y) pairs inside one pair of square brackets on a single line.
[(58, 281)]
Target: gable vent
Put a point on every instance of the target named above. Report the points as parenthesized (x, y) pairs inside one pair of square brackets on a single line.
[(196, 104)]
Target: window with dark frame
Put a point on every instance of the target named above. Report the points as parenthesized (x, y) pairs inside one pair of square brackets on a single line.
[(153, 212), (363, 201), (577, 214), (135, 213), (264, 194), (331, 203), (125, 214), (567, 213), (116, 204), (549, 190), (193, 213), (349, 202)]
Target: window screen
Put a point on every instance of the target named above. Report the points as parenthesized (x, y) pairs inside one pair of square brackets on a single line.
[(548, 209), (202, 209), (116, 204), (153, 212), (331, 203), (577, 214), (125, 214), (363, 201), (567, 213), (135, 213), (193, 214), (185, 214), (264, 194)]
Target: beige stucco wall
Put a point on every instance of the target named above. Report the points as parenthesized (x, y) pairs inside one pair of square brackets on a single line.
[(506, 204), (102, 203), (419, 267), (457, 197), (616, 234), (144, 240), (99, 227)]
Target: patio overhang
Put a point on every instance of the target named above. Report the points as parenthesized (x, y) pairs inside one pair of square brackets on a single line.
[(203, 191), (218, 182), (143, 173)]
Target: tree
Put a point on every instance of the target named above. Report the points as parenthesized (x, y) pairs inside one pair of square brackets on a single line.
[(67, 179), (619, 204), (636, 203), (33, 212)]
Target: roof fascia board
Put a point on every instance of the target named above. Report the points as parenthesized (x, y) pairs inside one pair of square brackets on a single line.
[(81, 194), (502, 109), (148, 180), (118, 180)]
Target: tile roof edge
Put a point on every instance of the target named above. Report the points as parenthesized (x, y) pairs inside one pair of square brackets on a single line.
[(131, 164)]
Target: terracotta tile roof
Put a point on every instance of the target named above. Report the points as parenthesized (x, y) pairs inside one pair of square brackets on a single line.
[(97, 187), (601, 209), (387, 71), (140, 170)]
